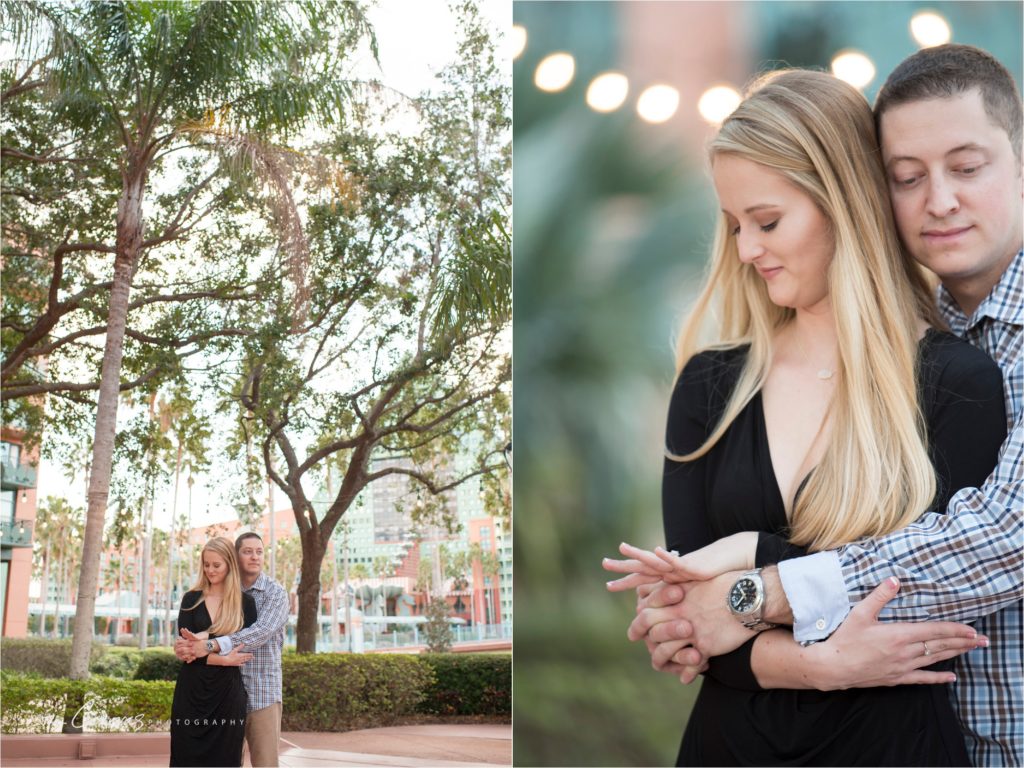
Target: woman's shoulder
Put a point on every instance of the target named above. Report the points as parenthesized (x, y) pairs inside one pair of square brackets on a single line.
[(712, 368), (703, 387), (951, 365), (190, 598), (949, 357)]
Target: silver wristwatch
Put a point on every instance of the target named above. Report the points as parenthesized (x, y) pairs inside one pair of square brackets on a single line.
[(209, 646), (746, 601)]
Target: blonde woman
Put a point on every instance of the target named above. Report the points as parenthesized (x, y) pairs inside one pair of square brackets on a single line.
[(827, 407), (208, 712)]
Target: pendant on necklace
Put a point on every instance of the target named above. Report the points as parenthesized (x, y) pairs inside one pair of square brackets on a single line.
[(824, 374)]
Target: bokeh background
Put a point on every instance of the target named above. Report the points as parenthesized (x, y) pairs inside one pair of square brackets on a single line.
[(612, 225)]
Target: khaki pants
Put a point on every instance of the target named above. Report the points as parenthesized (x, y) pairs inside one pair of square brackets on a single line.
[(262, 733)]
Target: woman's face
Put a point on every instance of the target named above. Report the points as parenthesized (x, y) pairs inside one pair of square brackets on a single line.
[(214, 567), (778, 230)]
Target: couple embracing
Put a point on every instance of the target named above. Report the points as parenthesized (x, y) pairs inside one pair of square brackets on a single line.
[(225, 695), (847, 448)]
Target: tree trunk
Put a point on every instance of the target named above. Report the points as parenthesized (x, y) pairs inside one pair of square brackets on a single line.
[(62, 582), (171, 549), (307, 625), (273, 528), (147, 538), (129, 241), (46, 587)]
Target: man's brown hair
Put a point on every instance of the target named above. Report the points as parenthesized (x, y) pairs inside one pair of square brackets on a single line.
[(243, 537), (950, 70)]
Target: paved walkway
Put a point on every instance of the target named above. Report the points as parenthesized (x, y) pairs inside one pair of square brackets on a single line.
[(406, 746)]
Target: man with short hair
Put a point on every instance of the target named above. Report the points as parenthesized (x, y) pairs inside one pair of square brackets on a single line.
[(949, 121), (265, 640)]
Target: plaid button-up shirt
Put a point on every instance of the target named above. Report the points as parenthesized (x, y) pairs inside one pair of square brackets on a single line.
[(966, 565), (264, 640)]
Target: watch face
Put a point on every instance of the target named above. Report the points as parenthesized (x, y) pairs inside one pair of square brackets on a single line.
[(743, 595)]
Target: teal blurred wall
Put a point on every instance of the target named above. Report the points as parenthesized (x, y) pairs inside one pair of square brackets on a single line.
[(611, 227)]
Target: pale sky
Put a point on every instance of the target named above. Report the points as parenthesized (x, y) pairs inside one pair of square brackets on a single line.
[(416, 39)]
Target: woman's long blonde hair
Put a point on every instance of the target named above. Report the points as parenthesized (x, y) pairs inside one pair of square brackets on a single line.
[(875, 476), (230, 618)]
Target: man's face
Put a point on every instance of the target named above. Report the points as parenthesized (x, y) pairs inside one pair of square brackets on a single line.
[(956, 189), (250, 557)]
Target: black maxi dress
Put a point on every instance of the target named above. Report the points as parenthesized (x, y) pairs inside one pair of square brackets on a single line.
[(208, 711), (733, 488)]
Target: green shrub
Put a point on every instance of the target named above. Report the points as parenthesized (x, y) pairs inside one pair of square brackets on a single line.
[(39, 705), (157, 664), (36, 655), (469, 684), (117, 662), (339, 692)]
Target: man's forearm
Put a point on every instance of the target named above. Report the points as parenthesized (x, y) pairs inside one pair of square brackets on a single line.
[(272, 618), (778, 662), (776, 605)]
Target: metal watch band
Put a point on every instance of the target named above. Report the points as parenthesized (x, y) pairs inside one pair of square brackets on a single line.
[(755, 621)]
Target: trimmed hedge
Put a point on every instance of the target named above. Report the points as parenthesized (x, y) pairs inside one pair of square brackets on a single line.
[(158, 664), (469, 684), (322, 692), (39, 656), (39, 705), (340, 692)]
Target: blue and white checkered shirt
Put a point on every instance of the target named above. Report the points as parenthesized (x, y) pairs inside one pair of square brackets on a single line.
[(264, 640), (965, 565)]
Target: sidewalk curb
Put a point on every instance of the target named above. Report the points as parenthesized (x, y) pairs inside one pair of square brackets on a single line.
[(82, 746)]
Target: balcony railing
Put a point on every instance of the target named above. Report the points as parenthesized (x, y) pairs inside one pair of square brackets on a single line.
[(16, 533), (17, 475)]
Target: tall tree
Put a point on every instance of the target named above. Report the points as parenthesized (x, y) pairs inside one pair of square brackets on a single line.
[(405, 349), (151, 78), (57, 543)]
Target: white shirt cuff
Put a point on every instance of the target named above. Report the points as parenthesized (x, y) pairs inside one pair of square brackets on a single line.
[(817, 594), (225, 645)]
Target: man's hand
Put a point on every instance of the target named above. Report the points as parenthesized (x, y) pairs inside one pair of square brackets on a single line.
[(193, 644), (701, 622), (670, 594), (233, 658), (183, 650), (864, 653)]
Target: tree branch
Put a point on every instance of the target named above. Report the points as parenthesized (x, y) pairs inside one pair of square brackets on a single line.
[(15, 391), (427, 482)]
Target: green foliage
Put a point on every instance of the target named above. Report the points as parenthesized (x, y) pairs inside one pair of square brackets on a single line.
[(38, 656), (117, 662), (39, 705), (437, 630), (469, 684), (339, 692), (157, 664)]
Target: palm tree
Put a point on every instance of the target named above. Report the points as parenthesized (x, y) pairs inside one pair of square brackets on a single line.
[(58, 542), (490, 565), (151, 78), (190, 435)]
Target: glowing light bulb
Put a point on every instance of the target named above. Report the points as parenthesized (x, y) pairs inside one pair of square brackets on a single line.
[(853, 67), (657, 103), (607, 92), (555, 72), (930, 29), (518, 40), (717, 103)]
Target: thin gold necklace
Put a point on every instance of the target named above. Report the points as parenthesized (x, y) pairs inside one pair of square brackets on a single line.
[(823, 373)]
